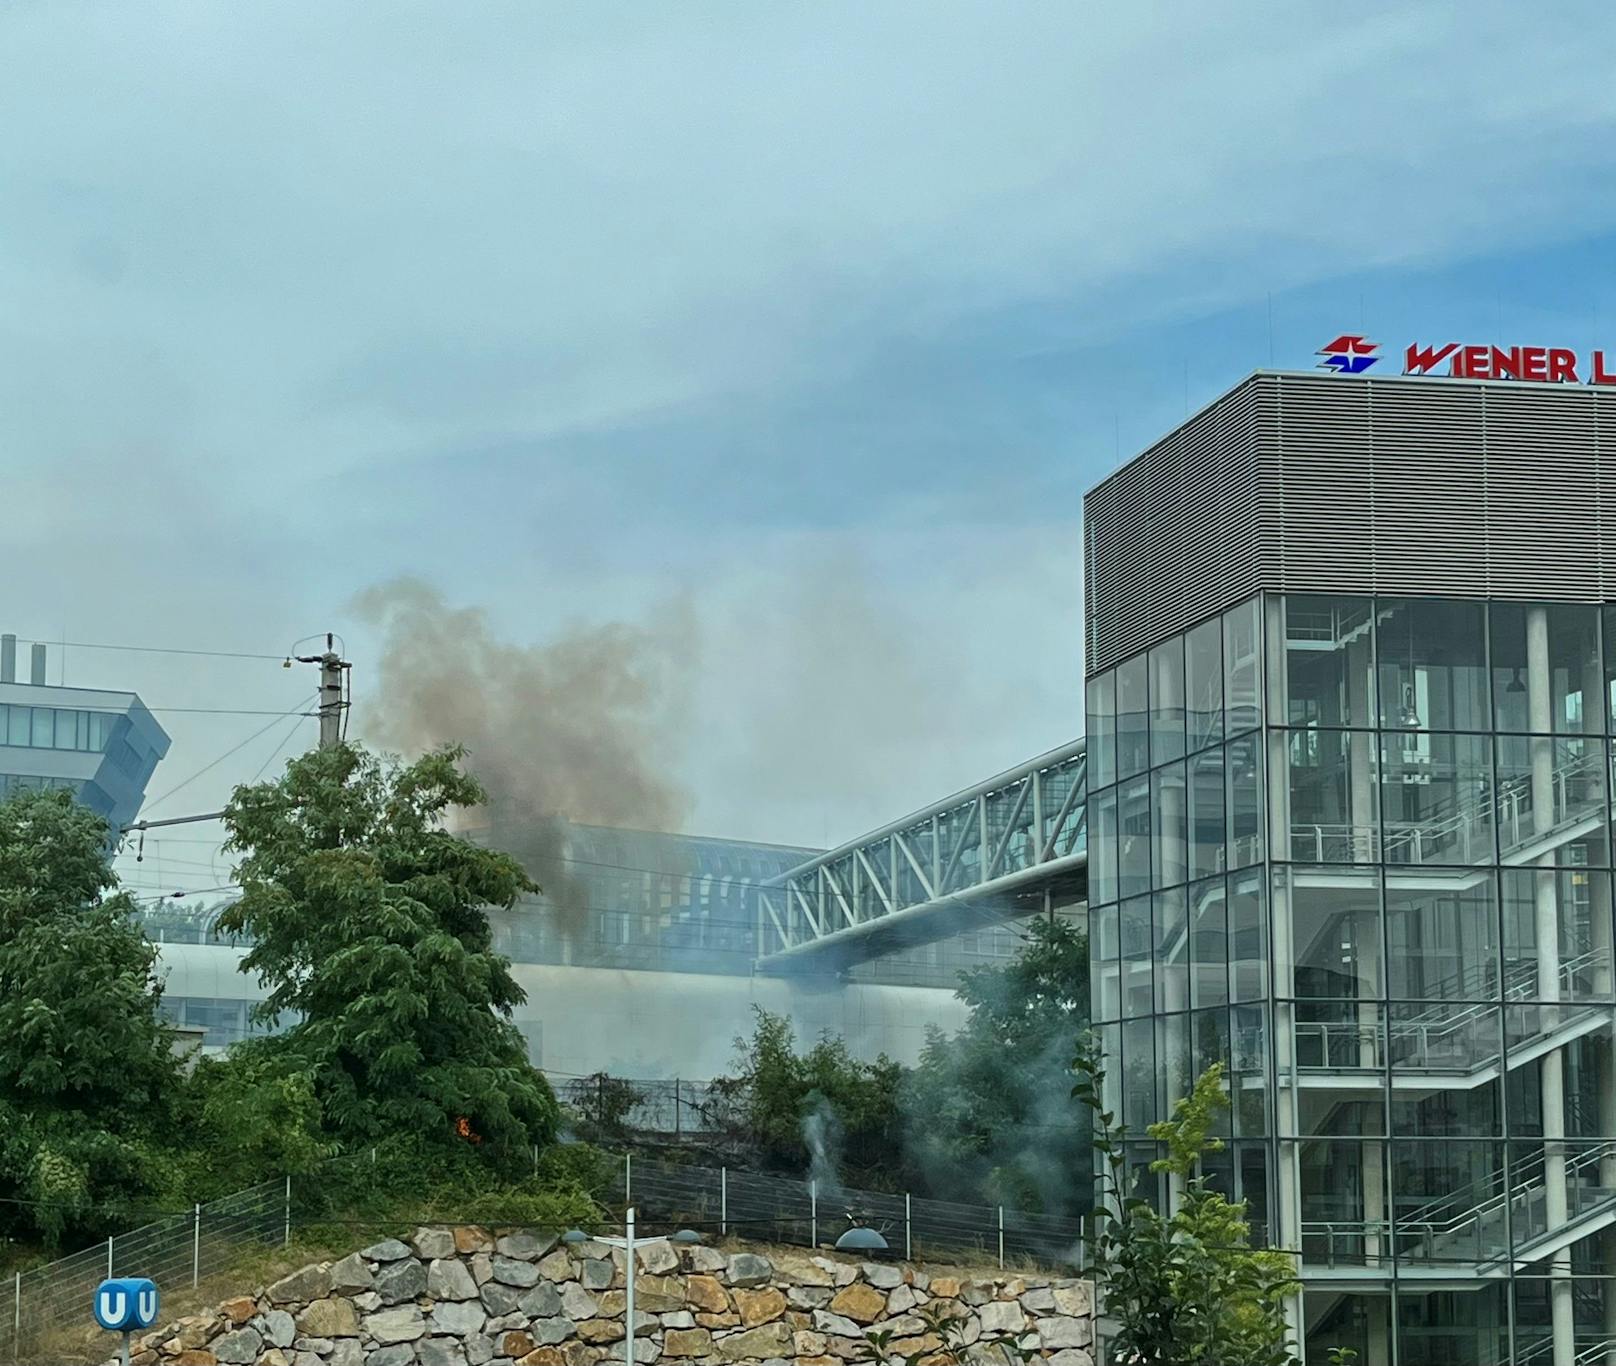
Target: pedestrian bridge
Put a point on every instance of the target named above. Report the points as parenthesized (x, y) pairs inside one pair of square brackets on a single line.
[(991, 850)]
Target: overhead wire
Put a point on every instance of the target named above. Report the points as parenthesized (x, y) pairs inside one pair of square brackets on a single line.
[(232, 750), (148, 649)]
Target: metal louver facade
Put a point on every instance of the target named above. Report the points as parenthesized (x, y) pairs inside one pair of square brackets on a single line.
[(1317, 483)]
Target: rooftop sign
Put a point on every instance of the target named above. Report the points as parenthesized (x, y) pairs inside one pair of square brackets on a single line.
[(1352, 355)]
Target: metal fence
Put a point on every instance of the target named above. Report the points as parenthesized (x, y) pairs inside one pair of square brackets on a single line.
[(779, 1209), (675, 1108), (175, 1251)]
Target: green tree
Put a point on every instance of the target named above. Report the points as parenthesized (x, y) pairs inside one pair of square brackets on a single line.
[(1186, 1288), (822, 1108), (87, 1070), (369, 927), (990, 1108)]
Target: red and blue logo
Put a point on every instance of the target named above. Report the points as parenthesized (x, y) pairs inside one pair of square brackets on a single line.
[(1348, 355)]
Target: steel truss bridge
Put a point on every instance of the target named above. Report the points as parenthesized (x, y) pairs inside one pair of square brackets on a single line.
[(995, 849)]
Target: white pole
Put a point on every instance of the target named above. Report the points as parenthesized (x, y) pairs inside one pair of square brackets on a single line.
[(196, 1246), (1001, 1237), (908, 1226), (723, 1201), (109, 1257), (628, 1176), (628, 1302), (16, 1318), (813, 1213)]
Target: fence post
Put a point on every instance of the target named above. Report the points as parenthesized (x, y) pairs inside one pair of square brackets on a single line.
[(286, 1238), (1001, 1237), (678, 1127), (908, 1230), (196, 1246), (813, 1212), (628, 1177), (628, 1283), (16, 1319), (109, 1257), (723, 1201), (535, 1159)]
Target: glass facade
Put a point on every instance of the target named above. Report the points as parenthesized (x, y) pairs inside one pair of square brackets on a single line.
[(1359, 851)]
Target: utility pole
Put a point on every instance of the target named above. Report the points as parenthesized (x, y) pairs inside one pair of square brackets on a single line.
[(331, 690)]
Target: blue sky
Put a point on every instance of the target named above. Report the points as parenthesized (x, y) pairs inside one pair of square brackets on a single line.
[(803, 327)]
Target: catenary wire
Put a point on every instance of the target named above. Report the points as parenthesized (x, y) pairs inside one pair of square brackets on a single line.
[(159, 800), (147, 649)]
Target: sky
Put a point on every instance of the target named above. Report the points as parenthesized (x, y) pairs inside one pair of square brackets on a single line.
[(784, 338)]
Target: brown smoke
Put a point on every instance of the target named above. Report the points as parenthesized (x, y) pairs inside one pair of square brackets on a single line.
[(577, 729)]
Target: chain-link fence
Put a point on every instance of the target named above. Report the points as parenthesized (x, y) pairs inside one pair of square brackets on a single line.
[(779, 1209)]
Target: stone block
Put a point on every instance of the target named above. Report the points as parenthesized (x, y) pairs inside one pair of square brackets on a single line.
[(946, 1287), (433, 1242), (498, 1298), (307, 1283), (541, 1302), (479, 1349), (1071, 1356), (506, 1323), (679, 1318), (525, 1247), (239, 1347), (808, 1296), (553, 1331), (656, 1257), (482, 1268), (902, 1300), (458, 1317), (514, 1344), (347, 1352), (351, 1275), (197, 1330), (509, 1271), (397, 1354), (729, 1320), (1039, 1301), (388, 1250), (1074, 1298), (836, 1325), (469, 1238), (597, 1273), (194, 1356), (1061, 1332), (577, 1303), (646, 1352), (558, 1266), (273, 1357), (403, 1324), (883, 1276), (1002, 1316), (758, 1307), (706, 1294), (687, 1342), (544, 1356), (771, 1340), (320, 1347), (747, 1268), (861, 1303), (696, 1257), (597, 1331), (440, 1352), (808, 1344), (449, 1279), (400, 1281), (333, 1317), (367, 1301), (279, 1327)]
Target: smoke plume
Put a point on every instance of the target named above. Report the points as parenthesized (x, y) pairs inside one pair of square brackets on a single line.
[(577, 729)]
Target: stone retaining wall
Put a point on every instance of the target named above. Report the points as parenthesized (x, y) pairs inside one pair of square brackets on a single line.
[(464, 1297)]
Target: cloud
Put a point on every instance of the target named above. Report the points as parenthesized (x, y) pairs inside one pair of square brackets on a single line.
[(566, 306)]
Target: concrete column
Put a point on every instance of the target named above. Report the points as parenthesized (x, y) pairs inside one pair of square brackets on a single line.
[(1540, 712), (1380, 1331)]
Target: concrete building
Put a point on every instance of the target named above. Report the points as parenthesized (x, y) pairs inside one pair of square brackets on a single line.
[(101, 746), (1351, 657)]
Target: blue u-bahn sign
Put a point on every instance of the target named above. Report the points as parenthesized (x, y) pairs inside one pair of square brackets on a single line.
[(126, 1306)]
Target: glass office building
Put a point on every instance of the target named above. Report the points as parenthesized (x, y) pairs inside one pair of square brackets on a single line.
[(1356, 847)]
